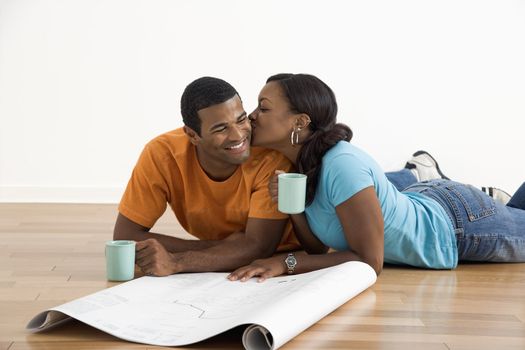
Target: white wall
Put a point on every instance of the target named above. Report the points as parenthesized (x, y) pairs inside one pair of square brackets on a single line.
[(84, 84)]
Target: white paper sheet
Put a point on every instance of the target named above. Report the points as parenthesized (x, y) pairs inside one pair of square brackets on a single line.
[(187, 308)]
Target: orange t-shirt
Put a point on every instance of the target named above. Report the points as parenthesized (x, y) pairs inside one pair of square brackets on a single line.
[(168, 171)]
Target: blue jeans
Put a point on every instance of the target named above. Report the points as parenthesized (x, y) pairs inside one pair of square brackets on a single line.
[(401, 179), (485, 230)]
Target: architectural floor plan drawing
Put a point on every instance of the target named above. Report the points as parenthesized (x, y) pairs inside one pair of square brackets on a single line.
[(187, 308)]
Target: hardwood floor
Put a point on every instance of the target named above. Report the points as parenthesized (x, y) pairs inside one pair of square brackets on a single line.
[(53, 253)]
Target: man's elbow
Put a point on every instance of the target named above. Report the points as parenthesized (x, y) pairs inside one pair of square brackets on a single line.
[(261, 250), (252, 248), (266, 252)]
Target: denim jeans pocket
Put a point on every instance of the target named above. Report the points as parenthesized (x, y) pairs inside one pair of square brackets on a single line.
[(476, 203)]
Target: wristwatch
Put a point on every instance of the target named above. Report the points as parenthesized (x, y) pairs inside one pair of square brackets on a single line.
[(290, 262)]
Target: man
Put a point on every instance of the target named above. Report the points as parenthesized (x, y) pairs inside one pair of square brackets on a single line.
[(215, 186)]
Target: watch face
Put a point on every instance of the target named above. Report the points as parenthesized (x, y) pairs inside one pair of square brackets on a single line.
[(291, 261)]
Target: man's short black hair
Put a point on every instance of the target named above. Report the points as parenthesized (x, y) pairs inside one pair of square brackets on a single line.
[(202, 93)]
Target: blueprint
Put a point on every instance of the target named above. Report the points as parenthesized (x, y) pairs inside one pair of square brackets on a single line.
[(186, 308)]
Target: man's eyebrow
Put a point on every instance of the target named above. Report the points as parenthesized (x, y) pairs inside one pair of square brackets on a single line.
[(244, 114), (218, 125)]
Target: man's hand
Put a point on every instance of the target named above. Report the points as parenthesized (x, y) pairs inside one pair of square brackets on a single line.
[(154, 259)]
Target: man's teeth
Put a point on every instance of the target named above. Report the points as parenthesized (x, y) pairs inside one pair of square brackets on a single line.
[(237, 146)]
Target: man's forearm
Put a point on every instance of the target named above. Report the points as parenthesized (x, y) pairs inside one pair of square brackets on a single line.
[(231, 253), (172, 244)]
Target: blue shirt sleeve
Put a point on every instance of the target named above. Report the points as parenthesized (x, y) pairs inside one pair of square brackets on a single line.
[(346, 175)]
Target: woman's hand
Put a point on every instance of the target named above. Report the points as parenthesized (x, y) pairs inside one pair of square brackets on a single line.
[(273, 185), (263, 268)]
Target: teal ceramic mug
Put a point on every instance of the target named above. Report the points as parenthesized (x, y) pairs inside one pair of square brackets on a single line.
[(292, 193), (120, 260)]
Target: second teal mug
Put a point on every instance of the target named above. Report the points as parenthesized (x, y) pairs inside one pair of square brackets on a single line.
[(292, 193)]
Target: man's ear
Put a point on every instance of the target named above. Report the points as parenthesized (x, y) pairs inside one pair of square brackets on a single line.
[(302, 120), (192, 135)]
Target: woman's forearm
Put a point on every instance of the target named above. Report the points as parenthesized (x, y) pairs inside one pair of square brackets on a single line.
[(310, 243), (312, 262)]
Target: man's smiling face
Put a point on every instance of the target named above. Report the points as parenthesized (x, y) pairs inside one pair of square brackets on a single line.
[(225, 136)]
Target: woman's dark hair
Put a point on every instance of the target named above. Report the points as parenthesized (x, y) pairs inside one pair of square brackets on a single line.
[(308, 94), (203, 93)]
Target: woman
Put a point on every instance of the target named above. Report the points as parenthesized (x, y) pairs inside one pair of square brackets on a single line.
[(352, 208)]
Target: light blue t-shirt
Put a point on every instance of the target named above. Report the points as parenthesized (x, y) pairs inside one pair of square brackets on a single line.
[(417, 229)]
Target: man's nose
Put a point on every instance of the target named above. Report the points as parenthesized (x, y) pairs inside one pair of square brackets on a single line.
[(236, 132)]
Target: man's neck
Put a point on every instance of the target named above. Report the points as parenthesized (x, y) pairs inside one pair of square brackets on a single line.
[(216, 170)]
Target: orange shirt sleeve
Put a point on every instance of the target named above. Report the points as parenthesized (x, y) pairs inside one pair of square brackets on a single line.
[(147, 192)]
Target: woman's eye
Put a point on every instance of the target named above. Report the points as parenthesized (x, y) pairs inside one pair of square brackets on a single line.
[(263, 109)]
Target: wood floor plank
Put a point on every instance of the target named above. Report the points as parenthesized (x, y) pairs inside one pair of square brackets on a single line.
[(328, 344), (483, 344), (17, 294), (392, 336), (404, 321)]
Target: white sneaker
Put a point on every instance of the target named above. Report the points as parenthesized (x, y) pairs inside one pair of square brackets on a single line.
[(424, 167), (498, 195)]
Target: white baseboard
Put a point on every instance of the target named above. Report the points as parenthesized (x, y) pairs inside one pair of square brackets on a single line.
[(28, 194)]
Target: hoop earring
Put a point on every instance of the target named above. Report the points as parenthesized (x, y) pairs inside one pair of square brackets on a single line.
[(294, 136)]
